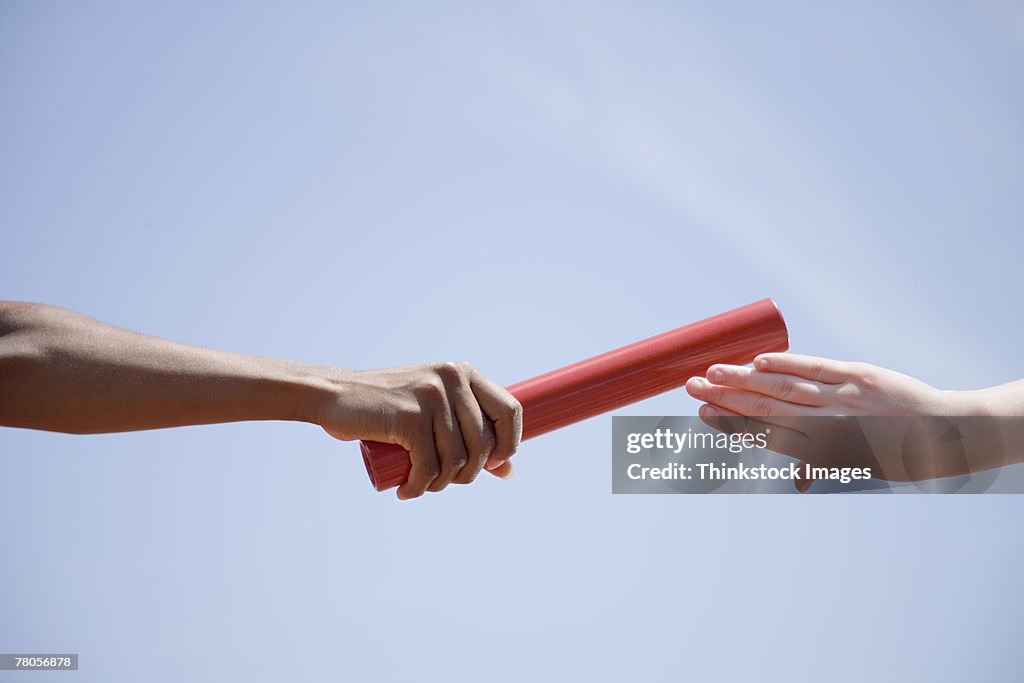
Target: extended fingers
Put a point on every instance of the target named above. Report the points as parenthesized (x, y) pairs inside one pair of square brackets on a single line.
[(824, 370), (746, 402), (779, 438), (791, 388)]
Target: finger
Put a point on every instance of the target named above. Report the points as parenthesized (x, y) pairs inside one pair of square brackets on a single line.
[(425, 465), (779, 438), (503, 470), (824, 370), (747, 402), (804, 485), (451, 449), (505, 413), (477, 432), (729, 422), (790, 388)]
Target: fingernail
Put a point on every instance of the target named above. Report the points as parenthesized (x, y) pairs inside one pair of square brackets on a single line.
[(716, 375), (707, 411), (761, 363), (495, 464), (696, 385)]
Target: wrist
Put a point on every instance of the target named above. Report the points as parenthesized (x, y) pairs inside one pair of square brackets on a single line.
[(973, 403), (299, 391), (329, 387), (1005, 400)]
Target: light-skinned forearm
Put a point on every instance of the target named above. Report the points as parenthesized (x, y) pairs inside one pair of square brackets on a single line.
[(1005, 400), (1004, 404)]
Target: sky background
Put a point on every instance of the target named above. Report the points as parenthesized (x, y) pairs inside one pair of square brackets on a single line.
[(519, 185)]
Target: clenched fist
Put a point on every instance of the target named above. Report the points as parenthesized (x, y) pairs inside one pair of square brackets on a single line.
[(453, 421)]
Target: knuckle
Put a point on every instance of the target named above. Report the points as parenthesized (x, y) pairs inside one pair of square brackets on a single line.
[(782, 388), (479, 450), (867, 376), (487, 443), (458, 459), (450, 371), (817, 369), (503, 450), (432, 388), (512, 418), (439, 484), (431, 469), (763, 407), (849, 392), (469, 472)]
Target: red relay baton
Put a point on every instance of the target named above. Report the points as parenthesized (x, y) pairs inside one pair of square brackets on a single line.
[(620, 377)]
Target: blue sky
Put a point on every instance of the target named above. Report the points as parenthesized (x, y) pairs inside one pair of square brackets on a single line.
[(520, 186)]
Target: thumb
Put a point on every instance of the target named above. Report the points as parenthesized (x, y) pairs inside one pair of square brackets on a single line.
[(503, 470), (804, 484)]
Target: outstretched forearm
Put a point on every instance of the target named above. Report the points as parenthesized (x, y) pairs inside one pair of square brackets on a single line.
[(64, 372), (61, 371), (1003, 400)]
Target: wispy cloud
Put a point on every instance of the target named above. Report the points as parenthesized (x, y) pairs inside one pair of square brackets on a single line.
[(661, 108)]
